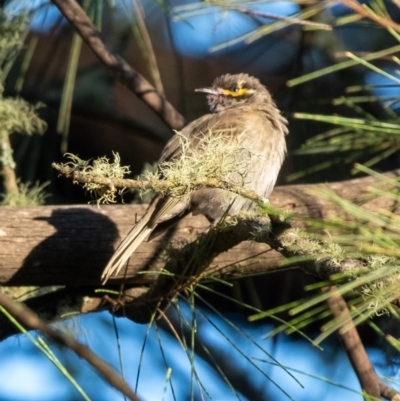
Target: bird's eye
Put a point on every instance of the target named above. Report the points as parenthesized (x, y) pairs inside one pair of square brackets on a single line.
[(236, 89)]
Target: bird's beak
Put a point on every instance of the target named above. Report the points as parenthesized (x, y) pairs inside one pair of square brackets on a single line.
[(210, 91)]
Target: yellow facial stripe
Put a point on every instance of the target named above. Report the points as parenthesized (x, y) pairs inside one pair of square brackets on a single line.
[(239, 93)]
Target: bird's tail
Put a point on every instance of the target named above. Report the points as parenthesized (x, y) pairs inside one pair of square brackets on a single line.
[(125, 249), (160, 209)]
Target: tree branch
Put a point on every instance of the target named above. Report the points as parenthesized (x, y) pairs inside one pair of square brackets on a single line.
[(157, 185), (118, 66), (53, 245), (30, 319), (355, 350)]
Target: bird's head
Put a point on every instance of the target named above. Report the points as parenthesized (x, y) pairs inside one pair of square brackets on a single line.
[(228, 91)]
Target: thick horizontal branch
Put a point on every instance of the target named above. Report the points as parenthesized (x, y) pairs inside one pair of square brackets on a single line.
[(70, 245)]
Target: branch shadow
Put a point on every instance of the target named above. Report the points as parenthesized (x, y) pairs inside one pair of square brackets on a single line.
[(75, 254)]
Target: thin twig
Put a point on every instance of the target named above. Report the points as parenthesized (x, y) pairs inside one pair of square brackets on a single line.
[(117, 65), (30, 319)]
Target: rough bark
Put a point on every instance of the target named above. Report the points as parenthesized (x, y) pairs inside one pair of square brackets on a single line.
[(70, 245)]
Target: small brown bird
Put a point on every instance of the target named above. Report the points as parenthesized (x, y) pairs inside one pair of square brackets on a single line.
[(240, 107)]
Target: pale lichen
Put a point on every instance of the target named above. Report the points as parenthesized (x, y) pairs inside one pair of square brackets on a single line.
[(101, 167), (217, 156)]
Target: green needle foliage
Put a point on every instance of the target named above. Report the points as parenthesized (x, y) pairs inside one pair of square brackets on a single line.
[(365, 138), (359, 138), (371, 236)]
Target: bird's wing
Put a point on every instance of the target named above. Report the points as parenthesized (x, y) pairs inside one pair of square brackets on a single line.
[(159, 210), (173, 148), (215, 123)]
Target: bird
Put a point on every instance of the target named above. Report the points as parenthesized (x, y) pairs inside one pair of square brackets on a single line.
[(239, 106)]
